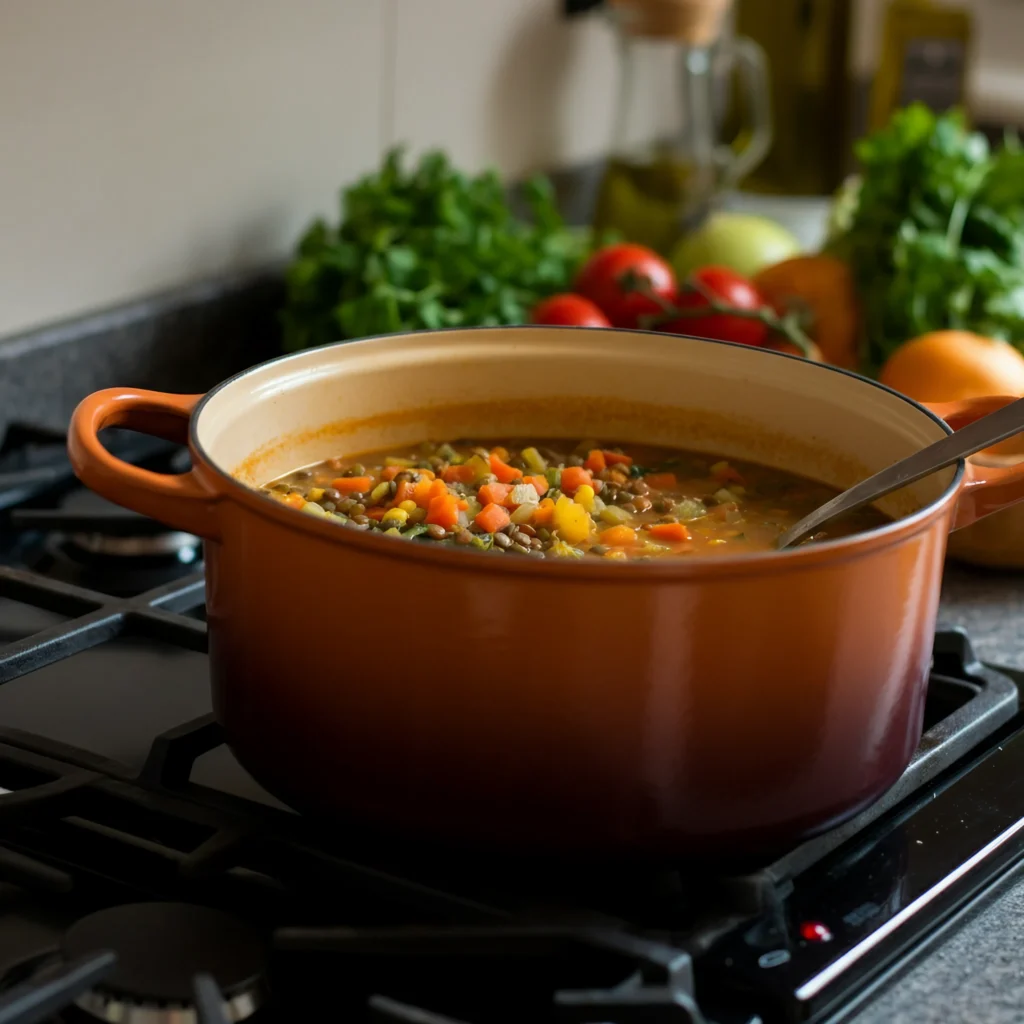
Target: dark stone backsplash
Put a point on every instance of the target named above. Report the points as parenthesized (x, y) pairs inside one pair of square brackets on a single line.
[(185, 341)]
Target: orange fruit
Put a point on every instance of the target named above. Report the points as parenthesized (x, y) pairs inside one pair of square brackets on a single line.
[(824, 286), (948, 366)]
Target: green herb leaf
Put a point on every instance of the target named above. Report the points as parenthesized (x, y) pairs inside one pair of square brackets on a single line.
[(426, 247), (934, 232)]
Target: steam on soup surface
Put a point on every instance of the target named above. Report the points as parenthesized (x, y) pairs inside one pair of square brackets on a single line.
[(550, 499)]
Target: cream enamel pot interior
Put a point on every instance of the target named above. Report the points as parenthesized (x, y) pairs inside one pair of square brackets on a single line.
[(669, 707)]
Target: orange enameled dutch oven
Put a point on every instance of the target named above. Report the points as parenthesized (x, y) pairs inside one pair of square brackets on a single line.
[(667, 707)]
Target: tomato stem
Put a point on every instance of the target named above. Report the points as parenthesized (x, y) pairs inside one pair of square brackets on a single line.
[(786, 325)]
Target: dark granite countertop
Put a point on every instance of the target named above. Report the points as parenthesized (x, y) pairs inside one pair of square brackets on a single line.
[(976, 976)]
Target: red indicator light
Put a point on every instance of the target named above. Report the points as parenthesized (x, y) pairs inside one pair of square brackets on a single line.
[(815, 931)]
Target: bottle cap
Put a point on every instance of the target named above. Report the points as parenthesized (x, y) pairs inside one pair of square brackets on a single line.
[(694, 22)]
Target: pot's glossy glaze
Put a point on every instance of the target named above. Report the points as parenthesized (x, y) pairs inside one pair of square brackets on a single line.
[(671, 707)]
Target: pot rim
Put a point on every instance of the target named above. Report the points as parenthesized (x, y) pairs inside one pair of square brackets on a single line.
[(839, 550)]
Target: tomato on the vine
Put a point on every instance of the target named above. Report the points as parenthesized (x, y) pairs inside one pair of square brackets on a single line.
[(568, 309), (731, 289), (606, 278)]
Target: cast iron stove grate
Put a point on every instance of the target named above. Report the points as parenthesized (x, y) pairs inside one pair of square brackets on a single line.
[(380, 931)]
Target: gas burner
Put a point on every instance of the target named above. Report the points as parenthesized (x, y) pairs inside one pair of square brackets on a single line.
[(182, 546), (87, 541), (161, 949)]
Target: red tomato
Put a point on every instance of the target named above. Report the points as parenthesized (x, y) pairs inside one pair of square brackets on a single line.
[(732, 289), (569, 309), (601, 281)]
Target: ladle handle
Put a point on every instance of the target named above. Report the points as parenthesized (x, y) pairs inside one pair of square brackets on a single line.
[(980, 433)]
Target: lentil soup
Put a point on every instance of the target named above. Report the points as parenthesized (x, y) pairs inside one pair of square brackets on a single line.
[(548, 498)]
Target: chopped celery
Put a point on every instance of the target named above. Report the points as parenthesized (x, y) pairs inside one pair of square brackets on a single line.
[(524, 513), (535, 462), (481, 467), (314, 509), (483, 541), (553, 476), (615, 515)]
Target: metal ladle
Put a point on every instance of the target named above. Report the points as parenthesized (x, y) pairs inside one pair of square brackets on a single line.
[(983, 433)]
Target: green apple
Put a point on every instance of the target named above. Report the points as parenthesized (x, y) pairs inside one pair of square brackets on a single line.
[(742, 242)]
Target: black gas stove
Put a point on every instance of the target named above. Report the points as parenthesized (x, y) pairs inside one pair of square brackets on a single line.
[(146, 878)]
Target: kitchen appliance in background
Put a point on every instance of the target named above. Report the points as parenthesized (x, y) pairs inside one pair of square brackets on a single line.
[(667, 164)]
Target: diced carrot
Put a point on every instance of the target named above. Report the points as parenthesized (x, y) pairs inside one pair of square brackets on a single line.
[(377, 512), (596, 461), (574, 477), (443, 511), (673, 532), (496, 493), (426, 490), (502, 470), (725, 473), (540, 483), (390, 472), (406, 491), (492, 518), (502, 453), (421, 492), (293, 500), (618, 537), (352, 484), (463, 504), (459, 474), (544, 513), (428, 473), (661, 481), (615, 459)]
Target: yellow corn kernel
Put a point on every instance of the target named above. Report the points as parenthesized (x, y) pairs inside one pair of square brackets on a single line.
[(314, 494), (585, 496), (396, 515), (407, 506)]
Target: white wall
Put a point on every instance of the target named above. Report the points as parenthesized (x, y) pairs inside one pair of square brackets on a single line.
[(146, 143)]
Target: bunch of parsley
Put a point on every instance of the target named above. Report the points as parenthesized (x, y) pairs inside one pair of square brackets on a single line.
[(935, 232), (427, 247)]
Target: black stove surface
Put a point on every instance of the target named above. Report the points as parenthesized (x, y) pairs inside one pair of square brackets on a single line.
[(144, 876)]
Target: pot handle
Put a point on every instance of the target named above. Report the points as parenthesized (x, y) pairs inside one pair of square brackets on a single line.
[(180, 500), (986, 489)]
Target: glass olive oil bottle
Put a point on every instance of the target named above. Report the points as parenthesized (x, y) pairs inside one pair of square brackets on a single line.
[(667, 165), (808, 48), (923, 58)]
